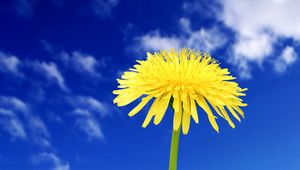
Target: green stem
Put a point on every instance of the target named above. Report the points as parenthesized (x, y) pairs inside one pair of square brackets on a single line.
[(174, 150)]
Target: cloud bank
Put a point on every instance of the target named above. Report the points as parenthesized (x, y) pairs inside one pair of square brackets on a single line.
[(257, 26)]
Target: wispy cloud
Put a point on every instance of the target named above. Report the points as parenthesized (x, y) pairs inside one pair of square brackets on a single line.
[(287, 57), (209, 39), (21, 122), (155, 41), (13, 103), (39, 131), (82, 63), (77, 61), (17, 120), (47, 46), (51, 72), (87, 112), (24, 8), (88, 124), (9, 118), (53, 117), (5, 112), (90, 103), (14, 127), (50, 157), (204, 38), (103, 8), (9, 63)]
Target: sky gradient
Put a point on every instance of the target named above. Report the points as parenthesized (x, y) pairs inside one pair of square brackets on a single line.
[(59, 61)]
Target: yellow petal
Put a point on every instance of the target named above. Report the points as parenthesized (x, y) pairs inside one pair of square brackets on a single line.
[(233, 113), (239, 111), (218, 111), (126, 99), (212, 120), (163, 105), (202, 103), (194, 110), (186, 122), (177, 117), (152, 111), (176, 101), (225, 114), (139, 107)]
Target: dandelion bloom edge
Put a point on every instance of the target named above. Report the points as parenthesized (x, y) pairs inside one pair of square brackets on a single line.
[(187, 78)]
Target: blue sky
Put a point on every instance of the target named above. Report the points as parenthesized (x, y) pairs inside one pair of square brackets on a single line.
[(59, 61)]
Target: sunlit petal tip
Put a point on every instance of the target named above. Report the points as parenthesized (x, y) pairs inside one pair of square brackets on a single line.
[(146, 123), (244, 104), (115, 92), (185, 132), (244, 89), (156, 121), (149, 54), (130, 115), (232, 126), (115, 101)]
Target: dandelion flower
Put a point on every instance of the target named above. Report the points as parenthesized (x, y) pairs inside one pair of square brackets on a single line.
[(184, 79)]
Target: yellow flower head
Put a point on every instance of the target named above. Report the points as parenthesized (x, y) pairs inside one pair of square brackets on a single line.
[(184, 80)]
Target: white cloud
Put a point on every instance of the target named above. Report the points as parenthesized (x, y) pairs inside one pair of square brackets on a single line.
[(51, 71), (9, 120), (9, 63), (5, 112), (38, 131), (13, 103), (47, 46), (207, 39), (14, 127), (82, 63), (154, 41), (206, 9), (85, 111), (250, 48), (203, 39), (53, 117), (16, 119), (103, 8), (287, 57), (91, 104), (250, 17), (258, 25), (88, 124), (82, 112), (50, 157)]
